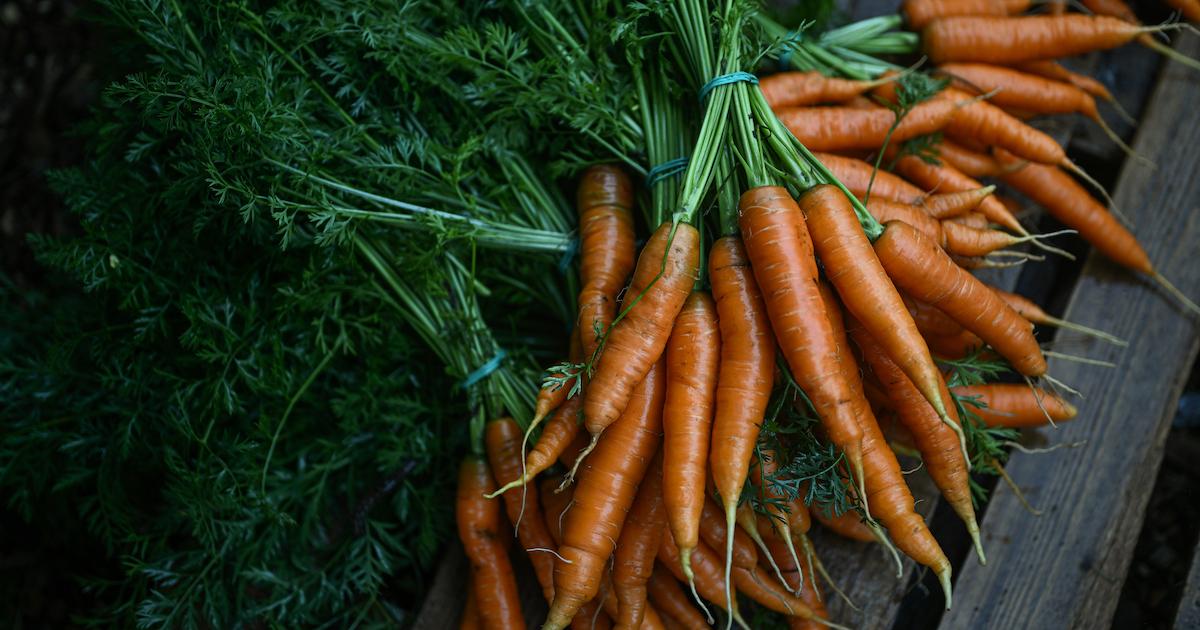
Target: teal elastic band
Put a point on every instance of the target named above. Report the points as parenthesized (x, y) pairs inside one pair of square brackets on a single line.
[(568, 255), (726, 79), (785, 57), (484, 370), (670, 168)]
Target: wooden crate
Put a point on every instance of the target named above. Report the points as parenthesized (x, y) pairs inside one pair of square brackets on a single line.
[(1065, 568)]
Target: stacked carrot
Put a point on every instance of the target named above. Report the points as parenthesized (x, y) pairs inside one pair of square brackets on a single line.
[(859, 280)]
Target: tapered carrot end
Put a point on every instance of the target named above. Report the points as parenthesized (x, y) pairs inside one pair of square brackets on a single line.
[(944, 578), (973, 530), (1070, 410), (515, 483)]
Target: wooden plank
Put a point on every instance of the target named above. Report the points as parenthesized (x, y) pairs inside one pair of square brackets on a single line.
[(1066, 568), (1188, 615)]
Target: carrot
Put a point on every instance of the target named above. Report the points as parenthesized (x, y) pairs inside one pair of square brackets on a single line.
[(771, 594), (693, 359), (971, 163), (885, 210), (851, 265), (964, 240), (612, 607), (1015, 90), (1113, 8), (855, 175), (928, 274), (781, 254), (746, 372), (638, 547), (948, 205), (884, 480), (636, 342), (671, 601), (606, 248), (954, 346), (973, 220), (479, 525), (1034, 313), (930, 321), (713, 531), (605, 490), (1068, 202), (918, 13), (787, 89), (847, 525), (842, 128), (1010, 40), (1054, 70), (946, 178), (1015, 405), (942, 447), (554, 505), (706, 568), (573, 449), (503, 439), (554, 443), (470, 618)]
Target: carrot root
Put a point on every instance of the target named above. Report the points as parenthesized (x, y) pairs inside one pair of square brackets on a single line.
[(1075, 359), (1166, 50), (1112, 205), (1173, 290)]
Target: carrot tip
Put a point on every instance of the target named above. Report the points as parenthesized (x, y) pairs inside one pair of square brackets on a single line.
[(944, 579), (973, 530), (1173, 290)]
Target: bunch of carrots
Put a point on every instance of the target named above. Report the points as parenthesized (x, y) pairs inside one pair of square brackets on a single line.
[(832, 309)]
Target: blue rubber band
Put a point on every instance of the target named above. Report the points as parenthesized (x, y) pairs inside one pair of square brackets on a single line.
[(666, 170), (726, 79), (785, 57), (568, 255), (484, 370)]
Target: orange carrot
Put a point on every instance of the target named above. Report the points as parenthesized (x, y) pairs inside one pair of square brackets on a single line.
[(781, 253), (770, 594), (842, 128), (638, 547), (714, 532), (554, 443), (943, 449), (693, 357), (971, 163), (954, 346), (855, 175), (1014, 405), (886, 491), (776, 503), (848, 525), (864, 287), (1020, 90), (1010, 40), (706, 567), (503, 438), (606, 248), (928, 274), (637, 341), (1068, 202), (1189, 8), (746, 372), (974, 220), (574, 448), (885, 210), (964, 240), (554, 505), (918, 13), (671, 601), (786, 89), (1053, 70), (606, 488), (479, 528), (948, 205), (930, 321), (806, 588), (946, 178)]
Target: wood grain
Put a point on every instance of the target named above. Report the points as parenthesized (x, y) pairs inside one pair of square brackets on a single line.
[(1188, 615), (1066, 568)]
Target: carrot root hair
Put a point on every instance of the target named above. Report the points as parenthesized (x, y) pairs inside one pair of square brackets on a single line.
[(753, 533), (730, 523), (570, 477), (887, 545), (1128, 150), (1173, 290), (1166, 50), (1077, 359), (814, 562), (1015, 488), (1086, 330), (1036, 241), (685, 563)]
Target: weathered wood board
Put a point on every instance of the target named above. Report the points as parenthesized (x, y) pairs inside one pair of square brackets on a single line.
[(1066, 568), (1188, 615)]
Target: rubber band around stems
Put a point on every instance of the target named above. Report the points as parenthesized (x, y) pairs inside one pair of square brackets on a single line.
[(484, 370), (726, 79), (668, 169)]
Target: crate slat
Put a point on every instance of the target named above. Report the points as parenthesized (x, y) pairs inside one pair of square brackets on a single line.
[(1066, 568), (1188, 615)]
